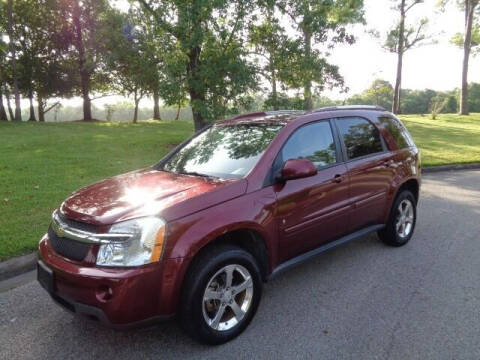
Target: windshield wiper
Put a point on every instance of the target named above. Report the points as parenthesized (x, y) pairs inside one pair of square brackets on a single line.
[(194, 173)]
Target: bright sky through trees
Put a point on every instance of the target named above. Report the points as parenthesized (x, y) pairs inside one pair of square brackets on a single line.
[(436, 66)]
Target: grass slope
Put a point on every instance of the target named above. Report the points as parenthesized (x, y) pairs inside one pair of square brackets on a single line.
[(41, 164)]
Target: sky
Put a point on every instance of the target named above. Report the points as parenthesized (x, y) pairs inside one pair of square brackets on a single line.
[(435, 66)]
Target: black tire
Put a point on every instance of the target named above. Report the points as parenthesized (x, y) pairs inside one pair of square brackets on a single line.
[(389, 235), (199, 276)]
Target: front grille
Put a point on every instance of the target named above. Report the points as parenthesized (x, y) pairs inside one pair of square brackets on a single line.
[(76, 224), (68, 248)]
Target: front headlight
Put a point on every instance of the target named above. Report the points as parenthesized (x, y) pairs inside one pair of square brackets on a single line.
[(144, 246)]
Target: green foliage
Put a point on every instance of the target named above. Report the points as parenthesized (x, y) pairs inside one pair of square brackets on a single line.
[(318, 22), (274, 53), (474, 97), (459, 39), (210, 58), (414, 36), (379, 93)]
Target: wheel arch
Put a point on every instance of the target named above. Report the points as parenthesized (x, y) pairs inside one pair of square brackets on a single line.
[(413, 185), (246, 238)]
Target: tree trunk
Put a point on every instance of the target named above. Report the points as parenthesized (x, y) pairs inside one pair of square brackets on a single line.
[(400, 50), (197, 96), (178, 112), (41, 109), (156, 105), (273, 83), (82, 63), (307, 91), (18, 111), (87, 105), (9, 106), (32, 109), (135, 111), (467, 46), (3, 114)]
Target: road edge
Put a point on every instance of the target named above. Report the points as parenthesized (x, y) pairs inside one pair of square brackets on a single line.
[(22, 264), (17, 266), (439, 168)]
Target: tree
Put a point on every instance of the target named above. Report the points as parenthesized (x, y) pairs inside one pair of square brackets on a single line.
[(379, 93), (470, 42), (13, 56), (402, 38), (127, 60), (208, 35), (319, 22), (84, 30), (474, 97), (44, 68), (274, 51)]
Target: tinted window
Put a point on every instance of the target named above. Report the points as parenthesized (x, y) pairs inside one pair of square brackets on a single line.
[(313, 142), (398, 132), (360, 137), (223, 151)]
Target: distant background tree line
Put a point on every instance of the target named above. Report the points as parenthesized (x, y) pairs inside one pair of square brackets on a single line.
[(380, 93), (210, 58)]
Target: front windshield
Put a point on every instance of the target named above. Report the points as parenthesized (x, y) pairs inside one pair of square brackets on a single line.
[(225, 151)]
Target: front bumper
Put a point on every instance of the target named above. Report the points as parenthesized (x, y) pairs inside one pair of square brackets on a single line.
[(116, 297)]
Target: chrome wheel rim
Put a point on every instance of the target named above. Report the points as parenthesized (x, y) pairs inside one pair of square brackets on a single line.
[(227, 297), (405, 217)]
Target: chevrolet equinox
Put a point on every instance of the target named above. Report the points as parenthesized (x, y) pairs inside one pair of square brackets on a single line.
[(198, 233)]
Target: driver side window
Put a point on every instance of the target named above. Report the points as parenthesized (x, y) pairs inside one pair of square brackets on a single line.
[(313, 142)]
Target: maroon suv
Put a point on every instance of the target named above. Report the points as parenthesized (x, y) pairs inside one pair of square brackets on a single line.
[(198, 233)]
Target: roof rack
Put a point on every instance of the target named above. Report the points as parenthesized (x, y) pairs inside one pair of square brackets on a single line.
[(268, 113), (351, 107)]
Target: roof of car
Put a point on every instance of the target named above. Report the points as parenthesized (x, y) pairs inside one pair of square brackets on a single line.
[(265, 117), (284, 116)]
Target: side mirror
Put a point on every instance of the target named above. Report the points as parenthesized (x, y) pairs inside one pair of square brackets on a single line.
[(297, 169)]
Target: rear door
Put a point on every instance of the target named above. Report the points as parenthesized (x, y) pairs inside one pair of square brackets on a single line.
[(314, 210), (370, 170)]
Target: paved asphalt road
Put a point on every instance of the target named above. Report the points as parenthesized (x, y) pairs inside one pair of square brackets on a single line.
[(360, 301)]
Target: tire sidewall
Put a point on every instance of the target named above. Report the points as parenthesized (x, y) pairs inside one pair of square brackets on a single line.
[(397, 239), (193, 297)]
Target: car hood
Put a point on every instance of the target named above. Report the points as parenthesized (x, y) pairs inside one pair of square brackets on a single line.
[(148, 192)]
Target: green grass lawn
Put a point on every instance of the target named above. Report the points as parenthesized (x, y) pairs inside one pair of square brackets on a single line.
[(451, 139), (41, 164)]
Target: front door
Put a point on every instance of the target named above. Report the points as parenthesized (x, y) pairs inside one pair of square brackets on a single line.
[(314, 210)]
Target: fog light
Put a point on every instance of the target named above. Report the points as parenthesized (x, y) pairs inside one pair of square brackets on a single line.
[(104, 293)]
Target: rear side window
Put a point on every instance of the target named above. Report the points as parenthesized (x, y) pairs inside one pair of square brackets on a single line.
[(360, 136), (313, 142), (397, 131)]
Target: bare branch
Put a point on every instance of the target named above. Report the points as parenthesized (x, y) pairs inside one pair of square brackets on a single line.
[(101, 96), (285, 11), (415, 2), (51, 107)]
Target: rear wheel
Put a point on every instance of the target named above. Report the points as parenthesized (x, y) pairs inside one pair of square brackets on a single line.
[(221, 294), (401, 223)]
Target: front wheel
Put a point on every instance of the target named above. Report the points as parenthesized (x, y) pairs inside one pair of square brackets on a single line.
[(221, 294), (401, 223)]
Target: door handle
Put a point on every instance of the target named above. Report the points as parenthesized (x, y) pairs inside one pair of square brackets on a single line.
[(337, 178), (388, 163)]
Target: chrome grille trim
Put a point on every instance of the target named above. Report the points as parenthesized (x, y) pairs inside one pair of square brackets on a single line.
[(63, 230)]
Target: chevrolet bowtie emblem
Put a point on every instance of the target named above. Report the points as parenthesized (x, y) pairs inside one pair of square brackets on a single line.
[(60, 231)]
